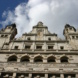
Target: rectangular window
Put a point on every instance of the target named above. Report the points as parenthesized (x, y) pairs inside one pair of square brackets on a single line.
[(76, 37), (49, 39), (38, 47), (57, 76), (16, 47), (2, 35), (69, 76), (6, 75), (6, 35), (62, 47), (39, 75), (50, 47), (27, 47), (28, 38), (22, 75), (54, 76), (73, 37)]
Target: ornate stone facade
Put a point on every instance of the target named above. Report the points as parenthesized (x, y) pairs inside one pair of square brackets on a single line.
[(39, 53)]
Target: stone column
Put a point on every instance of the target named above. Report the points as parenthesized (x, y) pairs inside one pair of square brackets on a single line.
[(53, 76), (46, 75), (58, 60), (14, 75), (69, 76), (61, 75), (44, 60), (31, 60), (0, 74), (76, 75), (30, 75), (18, 59)]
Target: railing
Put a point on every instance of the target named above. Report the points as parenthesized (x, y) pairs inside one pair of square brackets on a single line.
[(40, 51), (38, 67), (39, 64)]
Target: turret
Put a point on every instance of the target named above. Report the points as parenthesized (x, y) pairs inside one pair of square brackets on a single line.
[(71, 34), (69, 31), (7, 34)]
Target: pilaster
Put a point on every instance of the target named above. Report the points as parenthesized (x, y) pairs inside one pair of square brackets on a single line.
[(30, 75), (14, 75), (76, 75), (61, 75), (46, 75)]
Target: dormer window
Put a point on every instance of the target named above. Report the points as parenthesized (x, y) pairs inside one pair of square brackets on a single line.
[(38, 47), (76, 37), (50, 47), (28, 38), (27, 47), (2, 35), (49, 39), (6, 35), (16, 47), (61, 47), (73, 37)]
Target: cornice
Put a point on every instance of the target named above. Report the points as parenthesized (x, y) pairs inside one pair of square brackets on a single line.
[(71, 52), (58, 41)]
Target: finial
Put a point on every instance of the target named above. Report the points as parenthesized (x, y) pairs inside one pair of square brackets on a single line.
[(40, 24)]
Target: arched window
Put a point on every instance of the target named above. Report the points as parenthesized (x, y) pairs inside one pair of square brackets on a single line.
[(64, 59), (25, 59), (12, 58), (51, 59), (38, 59)]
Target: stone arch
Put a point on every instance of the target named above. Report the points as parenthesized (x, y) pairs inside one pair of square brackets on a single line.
[(25, 58), (51, 59), (12, 58), (64, 59), (38, 59), (51, 55)]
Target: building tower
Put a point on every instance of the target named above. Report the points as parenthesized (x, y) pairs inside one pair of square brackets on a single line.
[(71, 34), (7, 34)]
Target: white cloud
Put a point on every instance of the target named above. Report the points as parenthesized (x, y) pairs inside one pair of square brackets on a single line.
[(53, 13)]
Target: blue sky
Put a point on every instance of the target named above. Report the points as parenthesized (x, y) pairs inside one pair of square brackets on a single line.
[(9, 5), (25, 14)]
